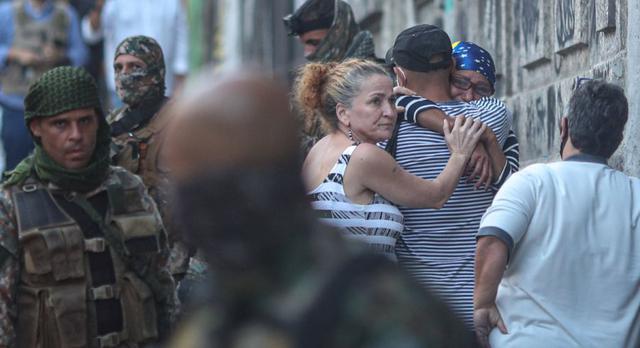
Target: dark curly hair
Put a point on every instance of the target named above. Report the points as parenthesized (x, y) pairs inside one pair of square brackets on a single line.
[(597, 114)]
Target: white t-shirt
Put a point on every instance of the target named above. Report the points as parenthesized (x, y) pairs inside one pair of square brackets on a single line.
[(573, 278), (163, 20)]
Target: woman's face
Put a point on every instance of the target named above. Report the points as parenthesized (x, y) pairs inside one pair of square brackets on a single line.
[(372, 115), (467, 85)]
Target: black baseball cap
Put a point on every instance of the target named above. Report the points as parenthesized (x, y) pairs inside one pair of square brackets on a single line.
[(417, 47), (312, 15), (388, 58)]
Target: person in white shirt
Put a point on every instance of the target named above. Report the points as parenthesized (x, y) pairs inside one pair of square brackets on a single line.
[(163, 20), (558, 251)]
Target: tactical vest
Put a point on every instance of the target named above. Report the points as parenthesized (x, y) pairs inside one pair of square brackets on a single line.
[(34, 35), (139, 151), (56, 302)]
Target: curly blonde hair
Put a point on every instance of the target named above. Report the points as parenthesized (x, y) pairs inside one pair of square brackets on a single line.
[(320, 87)]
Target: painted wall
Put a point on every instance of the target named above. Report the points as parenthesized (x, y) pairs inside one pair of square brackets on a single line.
[(539, 46)]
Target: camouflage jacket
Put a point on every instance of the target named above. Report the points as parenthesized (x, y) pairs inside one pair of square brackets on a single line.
[(331, 296), (155, 271), (139, 151)]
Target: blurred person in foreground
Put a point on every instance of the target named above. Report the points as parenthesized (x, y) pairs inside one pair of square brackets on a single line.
[(280, 278), (329, 33), (35, 36), (137, 129), (354, 184), (82, 246), (529, 283)]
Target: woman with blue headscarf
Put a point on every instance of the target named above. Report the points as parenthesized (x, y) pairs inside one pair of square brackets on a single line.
[(472, 78), (475, 73)]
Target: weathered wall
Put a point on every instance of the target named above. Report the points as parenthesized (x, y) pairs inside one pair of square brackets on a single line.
[(539, 46), (251, 34)]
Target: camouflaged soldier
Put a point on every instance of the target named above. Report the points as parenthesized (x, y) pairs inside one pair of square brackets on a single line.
[(328, 31), (281, 278), (82, 247), (137, 128)]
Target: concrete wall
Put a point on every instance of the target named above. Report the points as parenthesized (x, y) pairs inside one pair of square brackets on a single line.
[(250, 33)]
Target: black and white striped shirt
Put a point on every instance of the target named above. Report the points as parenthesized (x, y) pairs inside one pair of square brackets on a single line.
[(378, 224), (437, 247)]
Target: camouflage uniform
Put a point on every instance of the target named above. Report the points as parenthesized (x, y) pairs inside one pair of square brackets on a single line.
[(343, 41), (137, 131), (152, 267), (82, 251)]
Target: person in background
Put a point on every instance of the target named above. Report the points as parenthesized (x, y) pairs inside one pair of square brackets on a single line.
[(551, 295), (138, 127), (280, 278), (94, 63), (354, 184), (329, 33), (35, 36), (82, 247), (163, 20), (138, 130)]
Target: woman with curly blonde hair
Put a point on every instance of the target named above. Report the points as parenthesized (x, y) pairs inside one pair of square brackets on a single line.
[(354, 184)]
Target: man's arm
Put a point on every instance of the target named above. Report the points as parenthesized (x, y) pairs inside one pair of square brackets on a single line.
[(487, 161), (511, 151), (8, 310), (77, 52), (92, 30), (9, 268), (491, 260), (159, 279), (6, 33), (503, 226)]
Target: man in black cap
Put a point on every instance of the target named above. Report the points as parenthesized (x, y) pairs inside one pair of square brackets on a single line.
[(437, 247)]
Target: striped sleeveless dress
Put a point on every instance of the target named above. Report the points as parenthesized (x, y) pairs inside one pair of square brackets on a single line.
[(378, 224)]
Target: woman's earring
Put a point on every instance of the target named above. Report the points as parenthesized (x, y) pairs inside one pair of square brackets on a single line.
[(350, 136)]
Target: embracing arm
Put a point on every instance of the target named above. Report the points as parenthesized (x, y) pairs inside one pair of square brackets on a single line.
[(487, 161), (497, 156), (511, 151), (377, 171)]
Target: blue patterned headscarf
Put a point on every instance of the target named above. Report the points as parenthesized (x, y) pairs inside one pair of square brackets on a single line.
[(470, 56)]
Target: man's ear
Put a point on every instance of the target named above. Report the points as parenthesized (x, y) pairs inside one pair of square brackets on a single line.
[(453, 66), (400, 76), (564, 127), (34, 126), (342, 114)]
